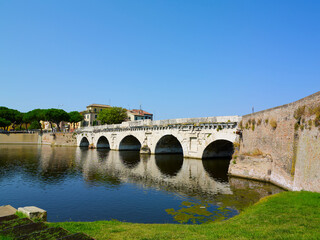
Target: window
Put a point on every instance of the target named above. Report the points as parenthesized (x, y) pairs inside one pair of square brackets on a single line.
[(95, 110), (95, 116)]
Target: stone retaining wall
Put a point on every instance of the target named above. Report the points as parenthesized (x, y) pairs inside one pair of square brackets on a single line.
[(277, 147), (19, 138), (59, 139)]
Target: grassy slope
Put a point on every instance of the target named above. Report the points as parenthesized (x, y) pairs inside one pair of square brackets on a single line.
[(288, 215)]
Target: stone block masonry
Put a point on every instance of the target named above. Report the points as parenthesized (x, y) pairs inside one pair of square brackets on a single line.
[(282, 145), (59, 139)]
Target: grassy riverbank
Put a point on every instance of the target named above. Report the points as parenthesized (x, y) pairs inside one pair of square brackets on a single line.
[(288, 215)]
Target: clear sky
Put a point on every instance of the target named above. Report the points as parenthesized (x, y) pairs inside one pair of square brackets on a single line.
[(177, 58)]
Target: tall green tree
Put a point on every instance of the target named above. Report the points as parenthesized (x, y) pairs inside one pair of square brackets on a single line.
[(11, 115), (113, 115), (75, 117), (35, 115), (4, 123), (56, 116)]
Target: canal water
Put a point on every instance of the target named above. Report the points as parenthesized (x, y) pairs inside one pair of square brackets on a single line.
[(75, 184)]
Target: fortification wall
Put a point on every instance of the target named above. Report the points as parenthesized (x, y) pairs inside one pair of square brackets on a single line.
[(59, 139), (281, 145), (19, 138)]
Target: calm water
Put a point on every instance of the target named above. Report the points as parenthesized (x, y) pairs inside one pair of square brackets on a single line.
[(87, 185)]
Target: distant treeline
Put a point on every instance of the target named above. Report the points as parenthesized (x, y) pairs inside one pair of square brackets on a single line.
[(32, 119)]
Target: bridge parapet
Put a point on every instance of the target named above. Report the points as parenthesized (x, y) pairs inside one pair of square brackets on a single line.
[(181, 123)]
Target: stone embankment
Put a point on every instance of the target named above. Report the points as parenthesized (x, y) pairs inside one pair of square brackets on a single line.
[(281, 145), (54, 139), (59, 139)]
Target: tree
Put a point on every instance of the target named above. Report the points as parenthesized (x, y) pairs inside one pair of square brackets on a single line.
[(75, 117), (37, 115), (114, 115), (11, 115), (4, 123), (56, 116), (35, 125)]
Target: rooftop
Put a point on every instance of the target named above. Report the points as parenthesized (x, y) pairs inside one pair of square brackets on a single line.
[(139, 112), (99, 105)]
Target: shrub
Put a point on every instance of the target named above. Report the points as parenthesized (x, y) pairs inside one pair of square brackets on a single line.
[(240, 125), (259, 122), (253, 127), (314, 110), (317, 120), (266, 121), (299, 112), (296, 126), (257, 152), (273, 123)]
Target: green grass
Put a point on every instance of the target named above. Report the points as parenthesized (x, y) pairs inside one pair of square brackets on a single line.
[(288, 215)]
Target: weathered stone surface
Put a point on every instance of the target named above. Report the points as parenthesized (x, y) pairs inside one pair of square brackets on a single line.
[(7, 212), (293, 145), (59, 139), (252, 167), (34, 212)]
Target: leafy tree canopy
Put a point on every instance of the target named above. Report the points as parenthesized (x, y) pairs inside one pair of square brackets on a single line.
[(12, 115), (75, 117), (113, 115), (56, 116), (34, 115), (34, 125), (4, 123)]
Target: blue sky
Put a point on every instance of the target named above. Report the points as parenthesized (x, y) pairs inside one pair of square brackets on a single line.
[(177, 58)]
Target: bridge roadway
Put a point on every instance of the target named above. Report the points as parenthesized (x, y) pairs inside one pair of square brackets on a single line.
[(193, 137)]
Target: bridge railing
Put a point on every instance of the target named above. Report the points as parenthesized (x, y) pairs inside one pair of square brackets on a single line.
[(182, 123)]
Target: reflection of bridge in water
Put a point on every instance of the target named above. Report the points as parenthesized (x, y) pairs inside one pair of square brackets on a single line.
[(193, 137), (191, 177)]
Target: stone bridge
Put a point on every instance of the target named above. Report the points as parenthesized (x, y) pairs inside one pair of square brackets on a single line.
[(193, 137)]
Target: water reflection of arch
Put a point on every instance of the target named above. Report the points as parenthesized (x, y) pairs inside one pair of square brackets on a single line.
[(217, 168), (169, 165), (130, 159), (84, 142), (190, 179), (168, 144), (103, 142), (129, 143)]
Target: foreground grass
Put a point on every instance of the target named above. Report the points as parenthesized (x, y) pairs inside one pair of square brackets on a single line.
[(288, 215)]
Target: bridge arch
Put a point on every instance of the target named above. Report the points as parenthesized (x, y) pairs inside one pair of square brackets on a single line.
[(168, 144), (130, 143), (84, 142), (218, 148), (103, 143)]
